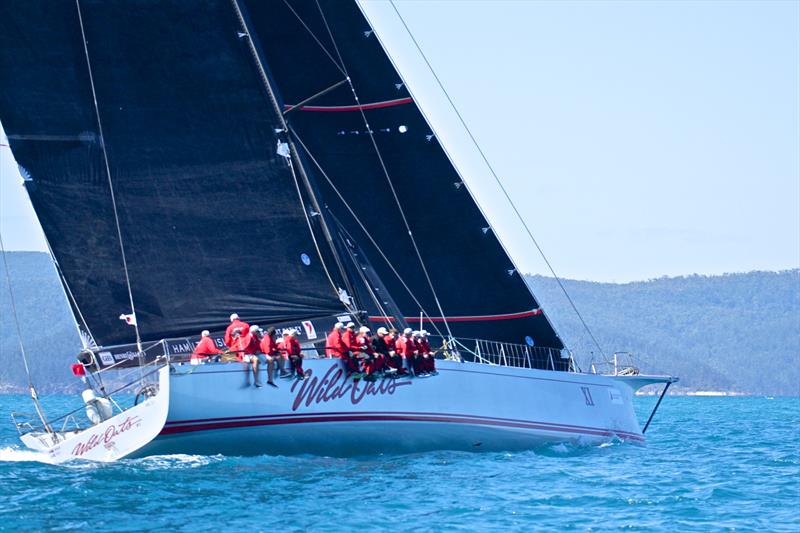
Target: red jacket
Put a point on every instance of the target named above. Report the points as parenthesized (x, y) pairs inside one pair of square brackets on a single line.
[(292, 347), (269, 346), (334, 345), (424, 346), (349, 339), (364, 345), (390, 342), (405, 346), (244, 326), (206, 347)]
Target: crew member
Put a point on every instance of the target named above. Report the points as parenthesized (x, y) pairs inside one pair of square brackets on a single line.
[(269, 347), (334, 344), (428, 359), (294, 352), (235, 323), (365, 352), (247, 347), (404, 346), (350, 347), (381, 350), (417, 358), (395, 360), (204, 348)]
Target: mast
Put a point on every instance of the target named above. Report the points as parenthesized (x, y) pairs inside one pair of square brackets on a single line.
[(295, 155)]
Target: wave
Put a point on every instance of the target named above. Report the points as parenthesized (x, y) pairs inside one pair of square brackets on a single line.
[(15, 455)]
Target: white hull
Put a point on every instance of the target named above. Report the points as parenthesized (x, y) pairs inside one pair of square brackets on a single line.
[(112, 439), (215, 408)]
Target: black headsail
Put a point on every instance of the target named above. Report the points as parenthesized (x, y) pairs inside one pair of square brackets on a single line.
[(209, 211), (365, 151)]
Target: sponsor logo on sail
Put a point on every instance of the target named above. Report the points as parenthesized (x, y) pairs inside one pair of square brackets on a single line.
[(308, 327)]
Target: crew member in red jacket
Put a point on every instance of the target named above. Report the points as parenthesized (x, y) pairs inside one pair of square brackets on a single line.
[(428, 359), (235, 323), (204, 348), (395, 360), (334, 344), (349, 341), (366, 354), (404, 346), (269, 347), (247, 347), (294, 352)]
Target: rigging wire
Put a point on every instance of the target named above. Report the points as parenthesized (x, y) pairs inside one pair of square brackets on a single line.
[(364, 229), (386, 173), (313, 237), (293, 150), (313, 35), (497, 179), (110, 184), (349, 238), (31, 388)]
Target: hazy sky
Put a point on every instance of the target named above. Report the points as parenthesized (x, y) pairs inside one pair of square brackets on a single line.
[(638, 139)]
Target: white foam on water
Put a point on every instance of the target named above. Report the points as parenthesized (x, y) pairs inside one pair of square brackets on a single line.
[(559, 448), (179, 460), (16, 455)]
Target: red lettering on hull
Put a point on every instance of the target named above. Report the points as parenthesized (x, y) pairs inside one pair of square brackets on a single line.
[(334, 385), (106, 438)]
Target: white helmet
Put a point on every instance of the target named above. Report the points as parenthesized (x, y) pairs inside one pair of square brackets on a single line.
[(363, 329), (205, 333), (415, 333), (424, 333), (338, 325), (350, 325), (382, 331), (407, 331), (255, 329), (234, 316)]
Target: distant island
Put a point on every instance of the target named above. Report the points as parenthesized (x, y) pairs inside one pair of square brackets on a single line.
[(731, 334)]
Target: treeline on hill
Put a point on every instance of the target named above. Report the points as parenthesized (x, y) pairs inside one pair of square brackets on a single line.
[(737, 332)]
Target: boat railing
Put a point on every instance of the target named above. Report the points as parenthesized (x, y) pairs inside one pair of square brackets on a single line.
[(621, 364), (135, 382), (501, 353)]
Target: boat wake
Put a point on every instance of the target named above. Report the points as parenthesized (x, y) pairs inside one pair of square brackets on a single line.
[(178, 460), (15, 455)]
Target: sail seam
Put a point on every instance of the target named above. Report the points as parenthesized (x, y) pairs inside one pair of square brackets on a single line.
[(385, 171)]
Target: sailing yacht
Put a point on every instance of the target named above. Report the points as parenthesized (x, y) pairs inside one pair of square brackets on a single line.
[(191, 159)]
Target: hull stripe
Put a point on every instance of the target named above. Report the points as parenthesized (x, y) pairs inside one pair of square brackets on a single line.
[(187, 426)]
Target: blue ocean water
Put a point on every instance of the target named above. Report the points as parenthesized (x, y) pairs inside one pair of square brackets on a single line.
[(711, 464)]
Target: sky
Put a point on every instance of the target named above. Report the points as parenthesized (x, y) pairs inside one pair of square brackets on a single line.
[(637, 139)]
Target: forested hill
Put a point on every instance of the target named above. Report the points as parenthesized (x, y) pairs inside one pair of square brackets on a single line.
[(737, 332)]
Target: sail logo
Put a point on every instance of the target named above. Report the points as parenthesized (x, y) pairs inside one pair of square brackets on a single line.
[(334, 385), (106, 438), (308, 326)]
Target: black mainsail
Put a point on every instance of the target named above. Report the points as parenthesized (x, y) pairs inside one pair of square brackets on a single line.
[(212, 217)]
